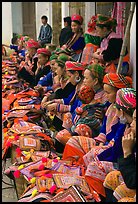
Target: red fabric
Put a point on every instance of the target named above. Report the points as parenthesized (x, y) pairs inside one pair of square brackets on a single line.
[(117, 80), (95, 184), (44, 51), (74, 66), (70, 152), (77, 17), (32, 44)]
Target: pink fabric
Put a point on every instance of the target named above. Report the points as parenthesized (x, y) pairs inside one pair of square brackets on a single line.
[(118, 15)]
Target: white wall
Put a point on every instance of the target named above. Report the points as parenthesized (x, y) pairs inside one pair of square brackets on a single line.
[(17, 17), (6, 23), (89, 12), (133, 47), (43, 8)]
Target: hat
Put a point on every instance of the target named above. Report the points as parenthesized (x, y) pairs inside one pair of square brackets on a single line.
[(106, 20), (32, 44), (126, 99), (86, 94), (44, 51), (78, 18), (117, 80), (92, 23), (62, 59), (97, 71), (53, 57), (76, 66)]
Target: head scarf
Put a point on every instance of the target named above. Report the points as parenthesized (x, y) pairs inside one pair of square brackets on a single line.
[(77, 17), (106, 21), (44, 51), (74, 66), (117, 80), (32, 44), (62, 59), (97, 71), (86, 94), (126, 99), (92, 23), (25, 38), (53, 57)]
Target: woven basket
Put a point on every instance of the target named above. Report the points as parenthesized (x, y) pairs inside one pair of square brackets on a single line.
[(20, 183)]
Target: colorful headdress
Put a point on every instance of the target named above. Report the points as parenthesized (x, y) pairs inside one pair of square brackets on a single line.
[(92, 23), (44, 51), (97, 71), (126, 99), (32, 44), (78, 18), (74, 66), (118, 80), (106, 21)]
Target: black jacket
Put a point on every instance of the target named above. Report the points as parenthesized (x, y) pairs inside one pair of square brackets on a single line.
[(65, 35), (127, 167)]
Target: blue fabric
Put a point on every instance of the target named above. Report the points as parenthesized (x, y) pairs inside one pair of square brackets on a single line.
[(14, 47), (79, 44), (67, 100), (113, 153), (22, 52), (47, 80)]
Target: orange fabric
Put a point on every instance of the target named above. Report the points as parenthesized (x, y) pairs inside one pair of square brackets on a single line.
[(117, 80), (72, 151), (5, 105), (110, 68), (95, 184)]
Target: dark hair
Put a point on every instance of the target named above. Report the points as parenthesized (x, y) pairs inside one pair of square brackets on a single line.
[(76, 22), (68, 20), (109, 27), (14, 39), (129, 111), (79, 71), (44, 17)]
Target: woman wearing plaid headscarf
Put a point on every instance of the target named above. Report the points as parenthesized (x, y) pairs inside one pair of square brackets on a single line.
[(87, 151)]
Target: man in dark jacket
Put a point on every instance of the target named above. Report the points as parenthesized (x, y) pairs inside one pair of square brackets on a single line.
[(66, 32), (45, 35)]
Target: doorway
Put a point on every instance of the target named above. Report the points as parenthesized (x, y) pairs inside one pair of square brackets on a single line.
[(29, 19)]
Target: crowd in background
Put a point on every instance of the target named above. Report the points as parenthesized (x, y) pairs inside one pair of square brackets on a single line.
[(89, 110)]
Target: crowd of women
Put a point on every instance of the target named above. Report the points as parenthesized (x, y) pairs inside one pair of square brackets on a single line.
[(82, 108)]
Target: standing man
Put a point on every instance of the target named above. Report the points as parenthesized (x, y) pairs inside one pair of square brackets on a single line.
[(66, 32), (45, 35)]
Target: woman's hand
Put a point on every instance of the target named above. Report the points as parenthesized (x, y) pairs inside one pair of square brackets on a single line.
[(52, 107), (128, 143), (99, 114)]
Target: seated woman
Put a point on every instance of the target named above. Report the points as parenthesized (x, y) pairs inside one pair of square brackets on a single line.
[(28, 67), (61, 87), (43, 68), (84, 149), (76, 43), (92, 41), (124, 179), (111, 44)]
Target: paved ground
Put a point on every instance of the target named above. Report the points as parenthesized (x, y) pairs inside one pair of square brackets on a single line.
[(9, 194)]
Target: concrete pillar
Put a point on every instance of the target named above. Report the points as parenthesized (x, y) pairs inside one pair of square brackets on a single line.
[(6, 23), (43, 8), (89, 11), (17, 18), (65, 11), (133, 48)]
